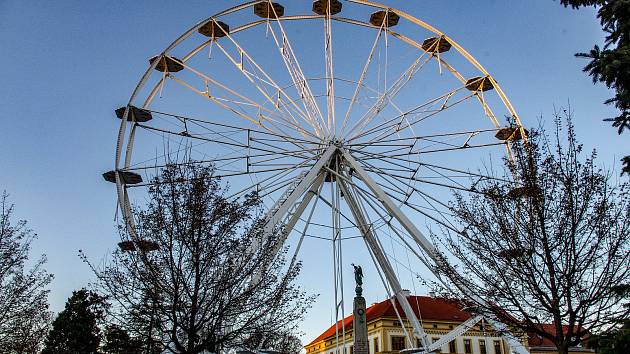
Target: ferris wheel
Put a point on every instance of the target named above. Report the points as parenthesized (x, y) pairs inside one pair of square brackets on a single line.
[(350, 119)]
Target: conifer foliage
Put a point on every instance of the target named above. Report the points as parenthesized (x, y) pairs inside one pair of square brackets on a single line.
[(76, 328), (611, 63)]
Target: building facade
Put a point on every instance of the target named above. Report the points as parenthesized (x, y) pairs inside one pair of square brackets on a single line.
[(386, 335), (438, 316)]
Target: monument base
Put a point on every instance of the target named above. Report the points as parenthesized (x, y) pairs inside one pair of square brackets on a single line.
[(359, 325)]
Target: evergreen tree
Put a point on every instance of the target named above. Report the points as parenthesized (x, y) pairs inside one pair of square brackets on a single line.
[(75, 330), (611, 63), (617, 339), (118, 341)]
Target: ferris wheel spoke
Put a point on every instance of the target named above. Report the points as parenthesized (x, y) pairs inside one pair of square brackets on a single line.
[(275, 186), (169, 154), (185, 148), (395, 125), (439, 184), (249, 134), (243, 114), (225, 174), (273, 177), (398, 127), (397, 162), (361, 79), (388, 96), (231, 126), (273, 161), (186, 163), (383, 173), (276, 147), (333, 208), (402, 235), (330, 73), (396, 185), (296, 73), (371, 201), (228, 143), (426, 197), (267, 81), (274, 117), (463, 173), (487, 109), (412, 139), (258, 83), (211, 129)]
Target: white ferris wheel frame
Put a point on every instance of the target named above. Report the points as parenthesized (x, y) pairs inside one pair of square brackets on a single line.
[(289, 209)]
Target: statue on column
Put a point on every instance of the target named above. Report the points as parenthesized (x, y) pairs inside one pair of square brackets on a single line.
[(359, 321), (358, 278)]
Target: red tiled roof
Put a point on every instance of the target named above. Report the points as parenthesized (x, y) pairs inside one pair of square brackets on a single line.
[(536, 340), (425, 307)]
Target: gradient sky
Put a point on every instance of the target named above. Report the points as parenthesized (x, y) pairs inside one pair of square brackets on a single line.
[(66, 65)]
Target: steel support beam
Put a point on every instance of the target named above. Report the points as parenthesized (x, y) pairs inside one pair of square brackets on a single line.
[(276, 215), (428, 248), (456, 332), (300, 189), (383, 262), (295, 216)]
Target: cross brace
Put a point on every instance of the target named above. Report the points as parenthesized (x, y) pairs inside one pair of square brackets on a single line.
[(313, 179)]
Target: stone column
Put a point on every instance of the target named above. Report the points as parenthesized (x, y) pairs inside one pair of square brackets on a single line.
[(359, 325)]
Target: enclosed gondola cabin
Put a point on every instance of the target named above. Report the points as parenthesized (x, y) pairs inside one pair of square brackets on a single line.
[(147, 246), (510, 134), (520, 192), (214, 29), (384, 18), (126, 176), (514, 253), (127, 246), (479, 83), (135, 114), (167, 64), (268, 10), (320, 7), (436, 45)]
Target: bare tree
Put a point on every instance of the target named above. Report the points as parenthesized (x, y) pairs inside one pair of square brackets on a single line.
[(551, 247), (24, 314), (194, 281)]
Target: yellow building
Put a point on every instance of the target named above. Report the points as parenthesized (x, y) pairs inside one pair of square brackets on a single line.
[(386, 335), (438, 316)]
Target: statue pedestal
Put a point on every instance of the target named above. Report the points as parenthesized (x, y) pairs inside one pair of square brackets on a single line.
[(359, 324)]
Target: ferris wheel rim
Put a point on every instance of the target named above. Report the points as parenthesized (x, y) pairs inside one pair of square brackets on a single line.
[(250, 4), (123, 197), (121, 187)]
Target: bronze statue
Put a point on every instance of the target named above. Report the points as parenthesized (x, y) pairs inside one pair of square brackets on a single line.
[(358, 278)]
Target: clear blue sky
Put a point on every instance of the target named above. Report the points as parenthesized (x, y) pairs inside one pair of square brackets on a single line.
[(66, 65)]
